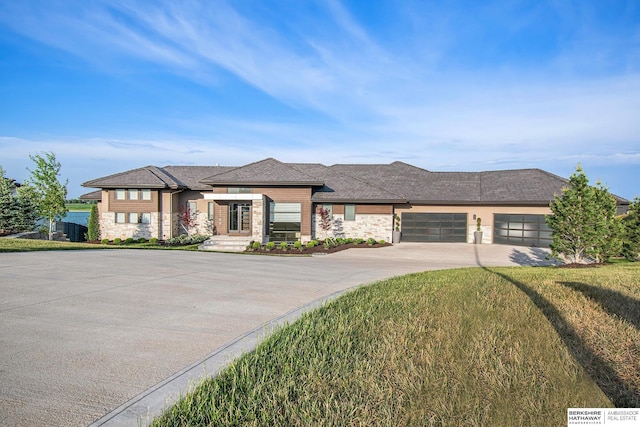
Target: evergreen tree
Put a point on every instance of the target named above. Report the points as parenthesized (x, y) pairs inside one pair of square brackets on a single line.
[(50, 192), (610, 236), (93, 232), (631, 222), (583, 222), (7, 203), (27, 207)]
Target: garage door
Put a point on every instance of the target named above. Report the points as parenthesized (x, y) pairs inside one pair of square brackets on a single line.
[(434, 227), (522, 230)]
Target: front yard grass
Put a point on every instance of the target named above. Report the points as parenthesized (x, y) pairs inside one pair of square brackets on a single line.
[(477, 347), (31, 245)]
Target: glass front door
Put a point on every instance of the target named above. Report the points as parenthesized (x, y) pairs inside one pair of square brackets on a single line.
[(240, 217)]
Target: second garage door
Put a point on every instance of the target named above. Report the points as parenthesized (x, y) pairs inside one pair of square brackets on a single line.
[(434, 227)]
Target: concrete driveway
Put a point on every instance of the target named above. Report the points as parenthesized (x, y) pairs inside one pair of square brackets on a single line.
[(84, 332)]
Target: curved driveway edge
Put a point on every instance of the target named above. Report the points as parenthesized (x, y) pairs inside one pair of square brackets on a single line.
[(84, 331)]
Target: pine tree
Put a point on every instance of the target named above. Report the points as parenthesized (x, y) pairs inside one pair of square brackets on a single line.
[(93, 226), (610, 235), (583, 222), (631, 222), (7, 203)]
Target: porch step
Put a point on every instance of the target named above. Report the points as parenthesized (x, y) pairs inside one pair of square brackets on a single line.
[(226, 243)]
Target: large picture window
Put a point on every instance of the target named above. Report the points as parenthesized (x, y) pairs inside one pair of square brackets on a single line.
[(284, 221)]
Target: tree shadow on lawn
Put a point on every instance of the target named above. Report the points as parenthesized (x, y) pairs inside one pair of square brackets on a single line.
[(621, 394), (613, 302)]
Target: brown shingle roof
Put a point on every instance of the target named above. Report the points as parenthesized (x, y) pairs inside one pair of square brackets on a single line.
[(265, 172), (396, 182), (145, 177), (339, 187)]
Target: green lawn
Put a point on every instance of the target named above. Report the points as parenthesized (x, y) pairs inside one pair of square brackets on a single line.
[(477, 347), (29, 245), (79, 207)]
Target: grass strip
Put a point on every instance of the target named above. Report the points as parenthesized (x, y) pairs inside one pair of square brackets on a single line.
[(31, 245), (477, 347)]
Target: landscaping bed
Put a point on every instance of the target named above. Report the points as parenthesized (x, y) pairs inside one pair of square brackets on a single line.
[(326, 246)]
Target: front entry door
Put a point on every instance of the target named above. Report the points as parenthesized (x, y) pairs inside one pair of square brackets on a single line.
[(240, 217)]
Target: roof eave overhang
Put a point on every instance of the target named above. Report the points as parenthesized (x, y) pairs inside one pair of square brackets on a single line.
[(264, 183), (481, 202), (111, 186), (343, 200)]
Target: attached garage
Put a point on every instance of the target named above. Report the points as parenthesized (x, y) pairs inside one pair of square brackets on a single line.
[(434, 227), (521, 230)]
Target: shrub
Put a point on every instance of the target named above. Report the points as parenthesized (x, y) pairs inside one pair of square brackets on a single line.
[(330, 243), (371, 241), (142, 240), (382, 242), (153, 240), (298, 245), (185, 239), (311, 244), (129, 240), (117, 241), (349, 240), (358, 241), (270, 246), (93, 226), (256, 246), (284, 246), (104, 241), (341, 241)]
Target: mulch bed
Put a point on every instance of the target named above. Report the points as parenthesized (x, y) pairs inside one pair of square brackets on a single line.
[(320, 249), (578, 265)]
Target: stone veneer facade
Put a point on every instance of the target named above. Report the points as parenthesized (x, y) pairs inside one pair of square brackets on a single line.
[(377, 226), (110, 230), (257, 220)]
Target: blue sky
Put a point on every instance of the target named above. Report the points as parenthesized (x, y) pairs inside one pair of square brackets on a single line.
[(448, 86)]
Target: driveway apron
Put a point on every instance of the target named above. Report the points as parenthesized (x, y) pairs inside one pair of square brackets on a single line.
[(83, 332)]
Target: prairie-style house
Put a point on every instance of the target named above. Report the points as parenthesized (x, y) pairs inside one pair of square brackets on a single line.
[(274, 201)]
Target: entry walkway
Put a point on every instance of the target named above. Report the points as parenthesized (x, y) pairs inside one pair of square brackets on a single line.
[(83, 332)]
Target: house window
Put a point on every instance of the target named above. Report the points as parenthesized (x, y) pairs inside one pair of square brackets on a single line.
[(328, 207), (120, 217), (239, 190), (349, 212), (145, 194), (133, 218), (132, 194), (284, 221), (210, 211), (193, 207), (121, 194), (145, 218)]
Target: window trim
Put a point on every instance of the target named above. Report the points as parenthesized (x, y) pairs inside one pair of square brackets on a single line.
[(349, 216), (145, 194), (122, 215), (144, 215), (120, 194)]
